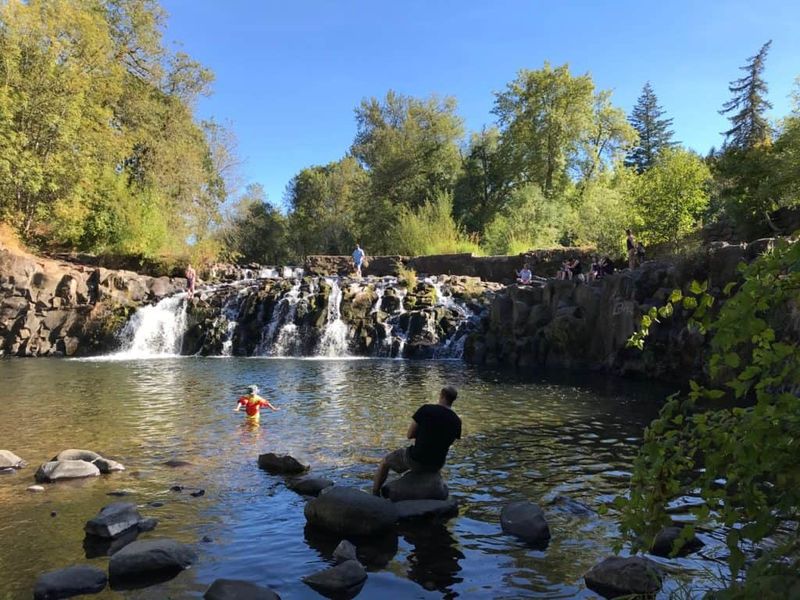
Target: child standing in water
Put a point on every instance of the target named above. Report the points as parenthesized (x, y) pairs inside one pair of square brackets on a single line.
[(252, 403)]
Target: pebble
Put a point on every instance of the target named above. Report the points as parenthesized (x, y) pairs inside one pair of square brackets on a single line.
[(53, 513), (156, 504), (35, 488), (198, 493)]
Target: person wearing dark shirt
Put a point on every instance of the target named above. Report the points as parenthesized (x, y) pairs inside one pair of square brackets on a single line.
[(434, 428), (630, 244)]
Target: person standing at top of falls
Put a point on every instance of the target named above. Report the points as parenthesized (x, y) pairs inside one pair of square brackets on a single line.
[(630, 243), (358, 259), (434, 428), (191, 278), (253, 403)]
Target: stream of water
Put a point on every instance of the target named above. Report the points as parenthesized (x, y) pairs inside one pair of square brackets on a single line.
[(535, 438)]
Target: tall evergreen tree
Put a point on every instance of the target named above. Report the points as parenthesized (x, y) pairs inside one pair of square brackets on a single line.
[(749, 126), (654, 131)]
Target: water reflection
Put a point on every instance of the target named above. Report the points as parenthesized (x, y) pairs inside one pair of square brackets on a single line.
[(523, 439)]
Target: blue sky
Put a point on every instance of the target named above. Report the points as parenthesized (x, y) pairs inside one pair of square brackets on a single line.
[(289, 73)]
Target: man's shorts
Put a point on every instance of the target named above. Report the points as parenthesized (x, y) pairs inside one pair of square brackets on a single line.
[(400, 461)]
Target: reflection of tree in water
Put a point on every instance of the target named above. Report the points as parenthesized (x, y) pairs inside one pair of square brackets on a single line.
[(433, 563)]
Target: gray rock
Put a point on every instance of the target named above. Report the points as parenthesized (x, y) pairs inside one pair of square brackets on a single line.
[(35, 488), (526, 521), (665, 540), (65, 469), (309, 486), (94, 546), (74, 454), (9, 460), (148, 524), (114, 520), (280, 465), (344, 551), (622, 576), (233, 589), (346, 578), (143, 559), (106, 465), (423, 509), (350, 512), (69, 582), (176, 463), (416, 486)]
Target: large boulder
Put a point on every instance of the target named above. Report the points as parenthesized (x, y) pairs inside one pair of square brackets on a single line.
[(344, 580), (114, 520), (350, 512), (665, 542), (56, 470), (234, 589), (623, 576), (72, 581), (310, 486), (526, 521), (9, 460), (106, 465), (149, 559), (280, 464), (426, 509), (416, 485)]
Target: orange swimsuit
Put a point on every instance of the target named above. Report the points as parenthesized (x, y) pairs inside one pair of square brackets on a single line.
[(252, 405)]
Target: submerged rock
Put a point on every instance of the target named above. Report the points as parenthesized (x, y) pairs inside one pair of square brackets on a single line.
[(9, 460), (280, 464), (114, 520), (665, 540), (72, 581), (149, 560), (622, 576), (234, 589), (526, 521), (106, 465), (95, 546), (350, 512), (573, 507), (416, 485), (344, 551), (344, 580), (422, 509), (309, 486), (65, 469), (176, 463)]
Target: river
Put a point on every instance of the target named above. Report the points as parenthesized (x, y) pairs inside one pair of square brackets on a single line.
[(534, 438)]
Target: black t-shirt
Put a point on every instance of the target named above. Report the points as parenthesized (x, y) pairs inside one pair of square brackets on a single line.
[(437, 428), (630, 244)]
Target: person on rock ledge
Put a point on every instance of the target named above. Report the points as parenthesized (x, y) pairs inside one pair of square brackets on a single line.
[(358, 259), (434, 428)]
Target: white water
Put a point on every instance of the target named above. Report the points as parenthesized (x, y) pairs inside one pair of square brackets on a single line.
[(334, 340), (281, 324), (155, 331)]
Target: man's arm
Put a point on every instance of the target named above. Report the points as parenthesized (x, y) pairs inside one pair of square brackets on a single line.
[(412, 430)]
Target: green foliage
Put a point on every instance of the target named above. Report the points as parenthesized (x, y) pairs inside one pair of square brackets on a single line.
[(654, 131), (604, 211), (750, 127), (481, 188), (407, 277), (739, 457), (256, 231), (672, 196), (431, 229)]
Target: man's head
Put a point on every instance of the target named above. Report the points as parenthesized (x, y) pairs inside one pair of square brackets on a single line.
[(252, 390), (358, 246), (628, 232), (448, 395)]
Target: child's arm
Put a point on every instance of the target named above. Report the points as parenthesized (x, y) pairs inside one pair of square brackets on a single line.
[(266, 403), (239, 404)]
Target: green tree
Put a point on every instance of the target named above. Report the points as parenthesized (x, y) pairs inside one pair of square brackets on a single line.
[(608, 138), (430, 229), (256, 231), (733, 441), (749, 125), (672, 196), (647, 118), (481, 188)]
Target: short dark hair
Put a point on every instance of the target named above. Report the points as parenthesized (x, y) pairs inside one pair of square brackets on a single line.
[(628, 231), (450, 393)]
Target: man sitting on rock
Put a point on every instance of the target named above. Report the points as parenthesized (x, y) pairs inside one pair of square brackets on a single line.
[(434, 427)]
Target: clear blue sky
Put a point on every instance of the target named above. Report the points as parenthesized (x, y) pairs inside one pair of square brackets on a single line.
[(289, 73)]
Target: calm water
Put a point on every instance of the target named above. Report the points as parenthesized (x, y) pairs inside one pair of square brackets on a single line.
[(531, 439)]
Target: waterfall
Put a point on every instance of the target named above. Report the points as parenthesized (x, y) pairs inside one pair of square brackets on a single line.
[(281, 328), (155, 330), (334, 337)]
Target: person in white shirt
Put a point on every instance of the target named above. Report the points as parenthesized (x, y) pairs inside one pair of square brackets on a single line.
[(525, 276)]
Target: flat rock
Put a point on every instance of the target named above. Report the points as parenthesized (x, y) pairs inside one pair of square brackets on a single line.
[(526, 521), (65, 469), (417, 485), (309, 486), (145, 559), (69, 582), (343, 552), (350, 512), (75, 454), (234, 589), (9, 460), (665, 540), (622, 576), (421, 509), (35, 488), (280, 464), (113, 520), (346, 579)]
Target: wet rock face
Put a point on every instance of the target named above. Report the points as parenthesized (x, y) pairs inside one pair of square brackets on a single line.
[(72, 581), (144, 561), (526, 521), (350, 512), (623, 576), (416, 486), (280, 465), (665, 542), (55, 308)]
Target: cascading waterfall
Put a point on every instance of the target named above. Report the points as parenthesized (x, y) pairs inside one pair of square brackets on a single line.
[(334, 340), (155, 330), (280, 332)]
